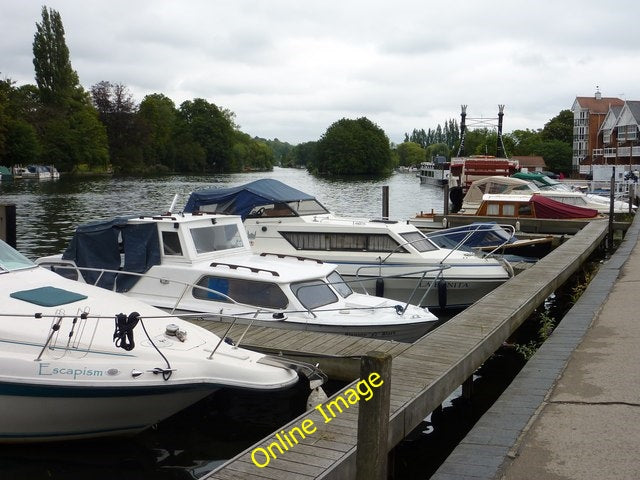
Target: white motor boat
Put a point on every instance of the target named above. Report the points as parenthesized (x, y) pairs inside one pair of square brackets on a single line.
[(523, 185), (203, 263), (79, 361), (389, 258)]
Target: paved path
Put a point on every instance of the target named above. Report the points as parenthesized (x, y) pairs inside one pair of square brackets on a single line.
[(574, 410)]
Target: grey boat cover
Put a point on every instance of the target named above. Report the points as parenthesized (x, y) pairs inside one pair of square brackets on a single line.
[(242, 199), (103, 244)]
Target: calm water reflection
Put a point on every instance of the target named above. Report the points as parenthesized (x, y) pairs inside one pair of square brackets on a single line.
[(49, 211)]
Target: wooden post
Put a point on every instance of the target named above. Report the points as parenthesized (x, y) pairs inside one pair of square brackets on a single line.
[(385, 202), (612, 187), (8, 224), (446, 199), (373, 419), (467, 389)]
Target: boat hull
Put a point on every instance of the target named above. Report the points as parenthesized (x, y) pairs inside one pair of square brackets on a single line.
[(407, 333), (47, 413), (460, 292)]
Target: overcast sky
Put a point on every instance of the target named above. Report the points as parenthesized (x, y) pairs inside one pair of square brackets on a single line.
[(290, 68)]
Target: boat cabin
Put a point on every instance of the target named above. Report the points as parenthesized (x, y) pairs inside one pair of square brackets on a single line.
[(530, 206)]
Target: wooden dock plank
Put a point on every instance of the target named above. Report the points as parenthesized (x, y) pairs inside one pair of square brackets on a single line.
[(423, 374)]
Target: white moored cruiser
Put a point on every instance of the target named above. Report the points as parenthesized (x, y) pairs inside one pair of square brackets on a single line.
[(391, 258), (203, 263), (79, 361)]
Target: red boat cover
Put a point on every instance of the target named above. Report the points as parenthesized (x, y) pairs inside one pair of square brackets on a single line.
[(546, 207)]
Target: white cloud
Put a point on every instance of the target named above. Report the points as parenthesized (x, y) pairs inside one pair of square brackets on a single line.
[(289, 69)]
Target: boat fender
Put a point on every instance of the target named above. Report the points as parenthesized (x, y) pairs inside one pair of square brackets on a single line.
[(379, 287), (123, 335), (456, 196), (442, 293)]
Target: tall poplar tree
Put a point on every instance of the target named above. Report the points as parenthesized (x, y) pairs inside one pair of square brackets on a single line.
[(69, 129), (56, 79)]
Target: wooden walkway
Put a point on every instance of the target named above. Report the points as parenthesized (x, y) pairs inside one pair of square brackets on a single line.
[(423, 374)]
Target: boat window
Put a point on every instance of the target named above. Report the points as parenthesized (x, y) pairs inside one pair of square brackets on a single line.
[(11, 259), (171, 243), (248, 292), (359, 242), (524, 210), (216, 237), (419, 241), (493, 209), (314, 294), (339, 284), (508, 210), (272, 210), (308, 207)]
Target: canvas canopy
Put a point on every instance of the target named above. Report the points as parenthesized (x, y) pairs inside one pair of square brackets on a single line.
[(546, 207), (537, 178), (102, 244), (242, 199), (497, 185)]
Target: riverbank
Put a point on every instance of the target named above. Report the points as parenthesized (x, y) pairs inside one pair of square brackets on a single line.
[(572, 412)]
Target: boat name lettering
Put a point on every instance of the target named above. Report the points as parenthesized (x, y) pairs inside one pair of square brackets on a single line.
[(46, 369), (457, 285), (284, 441)]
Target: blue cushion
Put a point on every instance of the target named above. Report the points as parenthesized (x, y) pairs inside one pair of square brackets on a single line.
[(48, 296)]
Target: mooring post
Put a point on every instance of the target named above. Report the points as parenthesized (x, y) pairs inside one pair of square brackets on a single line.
[(373, 418), (446, 199), (612, 188), (467, 389), (385, 202), (8, 224)]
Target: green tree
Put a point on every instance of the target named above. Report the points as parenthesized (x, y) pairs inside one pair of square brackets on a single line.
[(559, 128), (67, 124), (117, 111), (438, 149), (22, 145), (157, 114), (303, 155), (353, 147), (410, 153), (57, 81), (205, 124), (557, 155)]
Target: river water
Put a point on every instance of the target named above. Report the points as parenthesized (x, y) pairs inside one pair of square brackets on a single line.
[(49, 211), (193, 443)]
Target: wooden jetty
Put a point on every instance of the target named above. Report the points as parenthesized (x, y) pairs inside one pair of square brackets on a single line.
[(423, 374)]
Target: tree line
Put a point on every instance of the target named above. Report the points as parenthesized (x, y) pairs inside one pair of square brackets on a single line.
[(103, 130), (57, 122)]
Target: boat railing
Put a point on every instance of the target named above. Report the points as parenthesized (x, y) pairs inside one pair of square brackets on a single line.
[(510, 230), (422, 272)]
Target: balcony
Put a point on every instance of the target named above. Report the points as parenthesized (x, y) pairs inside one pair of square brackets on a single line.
[(609, 152), (597, 152)]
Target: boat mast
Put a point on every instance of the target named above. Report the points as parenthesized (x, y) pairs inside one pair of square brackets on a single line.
[(463, 116), (500, 153)]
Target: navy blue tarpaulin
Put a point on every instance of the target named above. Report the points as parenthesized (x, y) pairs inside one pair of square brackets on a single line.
[(103, 244), (242, 199)]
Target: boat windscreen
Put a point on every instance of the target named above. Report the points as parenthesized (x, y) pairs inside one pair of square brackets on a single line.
[(308, 207), (313, 294), (418, 241), (11, 259)]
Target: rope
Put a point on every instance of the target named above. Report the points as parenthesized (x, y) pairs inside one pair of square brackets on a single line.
[(123, 335)]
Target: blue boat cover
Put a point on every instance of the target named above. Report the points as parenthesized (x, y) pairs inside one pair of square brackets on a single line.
[(48, 296), (242, 199), (100, 245), (477, 234)]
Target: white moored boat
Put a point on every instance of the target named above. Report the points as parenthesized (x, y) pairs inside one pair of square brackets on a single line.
[(203, 263), (391, 258), (79, 361)]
